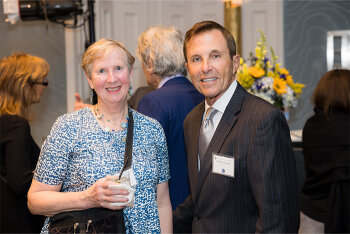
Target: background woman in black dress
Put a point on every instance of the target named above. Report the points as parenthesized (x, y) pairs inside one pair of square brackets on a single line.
[(22, 82), (325, 198)]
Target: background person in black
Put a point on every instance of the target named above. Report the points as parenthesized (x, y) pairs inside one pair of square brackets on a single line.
[(325, 198), (22, 82)]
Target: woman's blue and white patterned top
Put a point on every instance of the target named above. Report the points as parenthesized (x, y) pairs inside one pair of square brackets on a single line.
[(78, 152)]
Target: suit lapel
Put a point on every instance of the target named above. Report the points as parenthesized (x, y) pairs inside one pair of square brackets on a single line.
[(193, 147), (225, 126)]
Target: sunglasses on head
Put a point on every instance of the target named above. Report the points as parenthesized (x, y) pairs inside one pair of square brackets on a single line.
[(45, 82)]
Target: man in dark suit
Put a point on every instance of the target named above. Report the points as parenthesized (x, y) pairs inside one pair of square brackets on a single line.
[(245, 181)]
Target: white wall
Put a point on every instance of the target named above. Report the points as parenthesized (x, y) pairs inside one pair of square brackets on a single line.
[(267, 16)]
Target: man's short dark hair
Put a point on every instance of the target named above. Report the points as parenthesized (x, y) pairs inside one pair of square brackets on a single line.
[(205, 26)]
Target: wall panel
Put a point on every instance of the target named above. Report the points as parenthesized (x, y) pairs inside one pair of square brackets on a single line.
[(305, 31)]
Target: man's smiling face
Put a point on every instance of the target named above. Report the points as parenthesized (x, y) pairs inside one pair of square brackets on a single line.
[(209, 64)]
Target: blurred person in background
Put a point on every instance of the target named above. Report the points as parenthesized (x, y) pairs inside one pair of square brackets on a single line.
[(22, 83), (159, 50), (325, 198)]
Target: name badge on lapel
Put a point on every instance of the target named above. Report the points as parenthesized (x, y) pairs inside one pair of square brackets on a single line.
[(223, 165)]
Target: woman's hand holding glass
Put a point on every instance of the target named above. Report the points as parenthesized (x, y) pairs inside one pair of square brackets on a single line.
[(104, 193), (124, 183)]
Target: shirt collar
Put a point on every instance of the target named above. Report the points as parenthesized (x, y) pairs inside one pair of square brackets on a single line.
[(223, 101), (165, 79)]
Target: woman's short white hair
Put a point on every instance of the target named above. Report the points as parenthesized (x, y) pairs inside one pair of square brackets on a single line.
[(162, 47)]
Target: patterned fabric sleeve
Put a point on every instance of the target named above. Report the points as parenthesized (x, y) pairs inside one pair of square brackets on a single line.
[(54, 156)]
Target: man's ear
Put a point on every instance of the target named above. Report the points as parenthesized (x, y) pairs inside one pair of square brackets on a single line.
[(236, 60), (150, 66), (186, 65)]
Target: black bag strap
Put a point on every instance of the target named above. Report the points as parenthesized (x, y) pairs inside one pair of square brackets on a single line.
[(128, 144)]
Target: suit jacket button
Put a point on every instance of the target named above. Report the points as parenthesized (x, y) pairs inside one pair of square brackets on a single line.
[(196, 218)]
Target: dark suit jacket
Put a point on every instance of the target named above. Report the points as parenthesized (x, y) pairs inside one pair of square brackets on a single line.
[(169, 105), (262, 196)]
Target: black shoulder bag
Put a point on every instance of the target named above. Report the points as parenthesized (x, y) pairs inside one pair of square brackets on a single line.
[(96, 220)]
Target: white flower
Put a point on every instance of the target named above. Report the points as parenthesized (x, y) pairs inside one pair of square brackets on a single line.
[(289, 99), (263, 88)]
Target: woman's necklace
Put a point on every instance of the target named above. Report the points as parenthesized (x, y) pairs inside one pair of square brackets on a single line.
[(101, 117)]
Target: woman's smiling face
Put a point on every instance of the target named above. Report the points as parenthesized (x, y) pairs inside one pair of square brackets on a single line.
[(110, 77)]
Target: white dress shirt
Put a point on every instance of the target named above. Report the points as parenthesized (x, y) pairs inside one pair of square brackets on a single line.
[(220, 105)]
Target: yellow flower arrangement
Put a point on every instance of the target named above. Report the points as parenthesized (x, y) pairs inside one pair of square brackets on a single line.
[(266, 79)]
